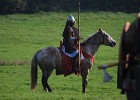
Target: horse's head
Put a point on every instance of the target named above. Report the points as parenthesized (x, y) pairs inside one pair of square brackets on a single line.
[(101, 38), (105, 38)]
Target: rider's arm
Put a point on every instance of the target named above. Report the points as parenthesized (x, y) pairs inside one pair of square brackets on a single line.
[(67, 34)]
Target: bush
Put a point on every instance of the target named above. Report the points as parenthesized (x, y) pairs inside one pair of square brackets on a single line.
[(17, 6), (12, 6)]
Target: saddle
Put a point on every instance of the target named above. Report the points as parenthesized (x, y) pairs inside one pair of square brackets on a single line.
[(67, 63)]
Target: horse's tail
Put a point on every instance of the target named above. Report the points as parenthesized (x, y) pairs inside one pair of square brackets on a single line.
[(34, 72)]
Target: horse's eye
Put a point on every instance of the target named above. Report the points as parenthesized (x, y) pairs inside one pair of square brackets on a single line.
[(106, 36)]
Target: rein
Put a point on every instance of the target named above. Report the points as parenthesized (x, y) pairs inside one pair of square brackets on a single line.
[(95, 42)]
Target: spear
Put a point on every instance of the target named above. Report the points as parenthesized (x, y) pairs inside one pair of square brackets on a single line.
[(79, 32)]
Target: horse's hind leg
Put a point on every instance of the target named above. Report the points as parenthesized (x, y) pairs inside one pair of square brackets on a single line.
[(45, 84)]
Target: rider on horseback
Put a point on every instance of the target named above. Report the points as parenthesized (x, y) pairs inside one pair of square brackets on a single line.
[(70, 40)]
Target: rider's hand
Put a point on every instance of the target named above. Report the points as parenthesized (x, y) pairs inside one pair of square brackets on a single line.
[(78, 38)]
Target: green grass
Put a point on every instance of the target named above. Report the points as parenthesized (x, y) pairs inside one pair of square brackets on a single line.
[(21, 35)]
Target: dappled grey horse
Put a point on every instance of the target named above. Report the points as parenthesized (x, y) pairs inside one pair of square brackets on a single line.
[(49, 59)]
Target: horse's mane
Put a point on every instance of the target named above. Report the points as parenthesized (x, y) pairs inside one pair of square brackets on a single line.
[(88, 38), (85, 41)]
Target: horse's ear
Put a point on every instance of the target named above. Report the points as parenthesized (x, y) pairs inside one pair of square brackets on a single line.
[(100, 30)]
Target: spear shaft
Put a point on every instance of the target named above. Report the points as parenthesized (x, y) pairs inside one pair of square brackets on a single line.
[(79, 33)]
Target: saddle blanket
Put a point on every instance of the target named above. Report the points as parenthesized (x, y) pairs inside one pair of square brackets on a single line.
[(67, 63)]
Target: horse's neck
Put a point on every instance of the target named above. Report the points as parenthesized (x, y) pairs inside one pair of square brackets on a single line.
[(90, 48)]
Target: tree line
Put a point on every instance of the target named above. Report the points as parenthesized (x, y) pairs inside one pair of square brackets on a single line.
[(31, 6)]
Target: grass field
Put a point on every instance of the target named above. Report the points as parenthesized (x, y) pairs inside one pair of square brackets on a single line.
[(21, 35)]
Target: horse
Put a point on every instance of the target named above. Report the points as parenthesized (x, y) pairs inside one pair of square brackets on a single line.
[(49, 59)]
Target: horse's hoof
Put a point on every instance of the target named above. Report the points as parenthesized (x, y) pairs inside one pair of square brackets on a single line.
[(48, 90)]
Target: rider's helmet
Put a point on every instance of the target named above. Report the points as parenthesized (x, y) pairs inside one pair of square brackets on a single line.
[(71, 20)]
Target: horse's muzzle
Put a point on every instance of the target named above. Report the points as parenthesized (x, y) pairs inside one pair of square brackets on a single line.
[(114, 43)]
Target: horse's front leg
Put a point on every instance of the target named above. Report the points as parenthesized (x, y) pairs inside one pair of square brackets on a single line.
[(84, 84), (85, 65), (84, 74)]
